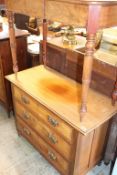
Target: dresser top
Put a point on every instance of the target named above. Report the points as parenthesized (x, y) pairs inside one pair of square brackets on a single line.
[(63, 97)]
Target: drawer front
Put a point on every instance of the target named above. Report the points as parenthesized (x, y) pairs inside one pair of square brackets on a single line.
[(56, 124), (45, 132), (44, 114), (25, 99), (49, 153)]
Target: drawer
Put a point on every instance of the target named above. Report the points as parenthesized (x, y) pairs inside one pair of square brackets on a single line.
[(49, 135), (25, 99), (56, 124), (48, 117), (50, 154)]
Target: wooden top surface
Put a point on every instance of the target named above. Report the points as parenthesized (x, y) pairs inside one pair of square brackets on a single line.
[(63, 96)]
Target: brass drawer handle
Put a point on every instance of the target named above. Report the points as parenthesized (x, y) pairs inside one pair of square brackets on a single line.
[(26, 131), (52, 138), (52, 121), (25, 115), (51, 155), (25, 100)]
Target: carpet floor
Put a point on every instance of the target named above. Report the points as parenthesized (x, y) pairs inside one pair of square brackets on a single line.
[(18, 157)]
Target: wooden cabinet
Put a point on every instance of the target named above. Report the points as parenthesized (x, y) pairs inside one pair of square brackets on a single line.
[(47, 115), (6, 65)]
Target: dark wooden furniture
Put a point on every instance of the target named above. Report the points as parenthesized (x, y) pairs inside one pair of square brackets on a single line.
[(6, 64)]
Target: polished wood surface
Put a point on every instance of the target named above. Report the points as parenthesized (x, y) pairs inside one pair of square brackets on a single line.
[(49, 135), (44, 130), (46, 116), (67, 95), (51, 155)]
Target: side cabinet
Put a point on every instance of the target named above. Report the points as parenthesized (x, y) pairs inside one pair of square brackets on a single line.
[(6, 68)]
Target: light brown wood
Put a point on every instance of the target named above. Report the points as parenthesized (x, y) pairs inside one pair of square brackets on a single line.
[(45, 132), (36, 131), (35, 127), (63, 97), (99, 139), (51, 155), (83, 147), (44, 115)]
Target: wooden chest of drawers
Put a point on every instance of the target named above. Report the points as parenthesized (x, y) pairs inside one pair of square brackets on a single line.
[(53, 128)]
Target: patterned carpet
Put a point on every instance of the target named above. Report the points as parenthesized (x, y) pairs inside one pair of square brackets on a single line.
[(18, 157)]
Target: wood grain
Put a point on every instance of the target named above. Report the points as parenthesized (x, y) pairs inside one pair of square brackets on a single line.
[(45, 149), (43, 114), (67, 110)]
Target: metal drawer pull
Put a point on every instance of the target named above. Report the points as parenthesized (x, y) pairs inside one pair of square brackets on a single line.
[(52, 121), (52, 138), (26, 131), (51, 155), (25, 100), (26, 115)]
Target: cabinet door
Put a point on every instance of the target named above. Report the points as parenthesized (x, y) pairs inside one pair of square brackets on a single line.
[(2, 86)]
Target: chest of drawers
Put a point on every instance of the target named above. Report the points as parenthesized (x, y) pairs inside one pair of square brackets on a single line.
[(53, 126)]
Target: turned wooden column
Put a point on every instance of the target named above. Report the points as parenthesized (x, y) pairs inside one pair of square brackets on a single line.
[(12, 41), (92, 27), (44, 41), (44, 33)]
